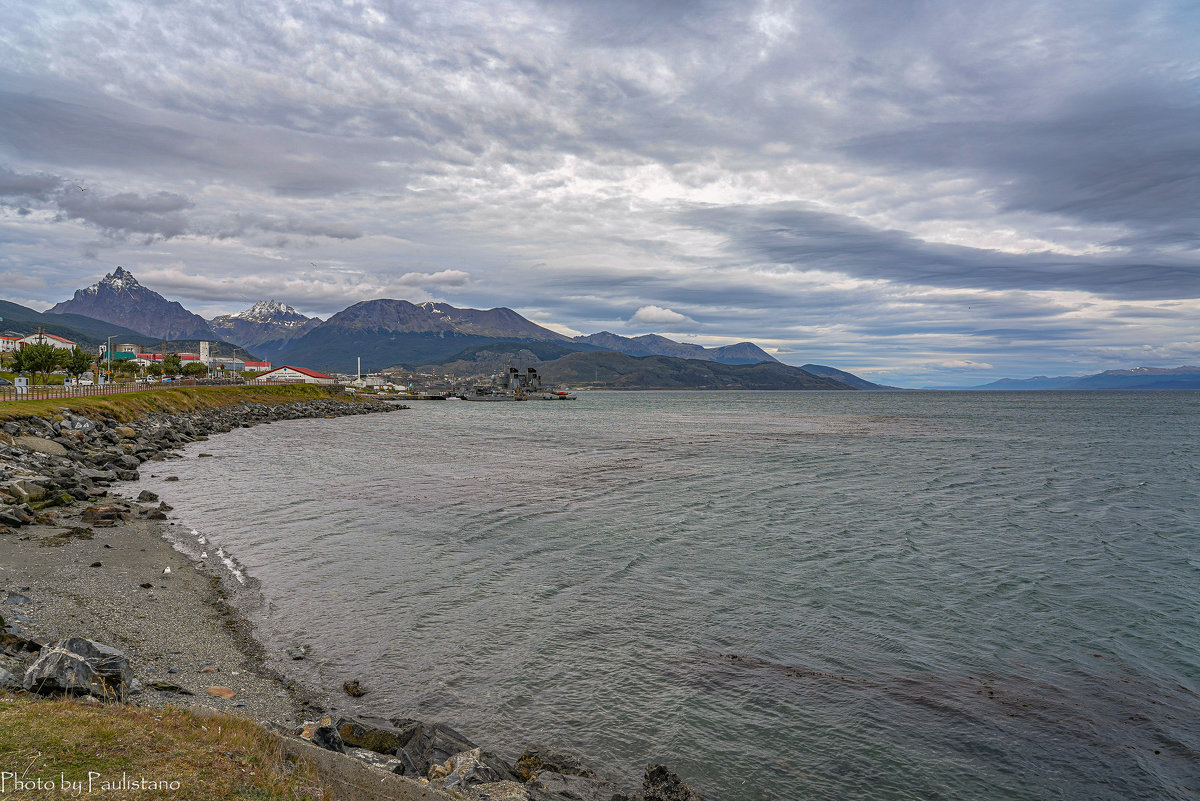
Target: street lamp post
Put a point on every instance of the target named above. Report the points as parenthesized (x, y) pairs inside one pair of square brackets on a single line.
[(108, 353)]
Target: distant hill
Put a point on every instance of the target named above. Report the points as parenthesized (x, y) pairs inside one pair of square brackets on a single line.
[(86, 331), (1148, 378), (844, 377), (655, 345), (1037, 382), (502, 354), (607, 369), (386, 333), (119, 298)]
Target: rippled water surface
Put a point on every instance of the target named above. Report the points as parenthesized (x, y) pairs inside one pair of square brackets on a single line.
[(782, 595)]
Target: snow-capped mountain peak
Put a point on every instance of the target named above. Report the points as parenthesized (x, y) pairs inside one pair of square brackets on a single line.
[(270, 311), (265, 321), (119, 280)]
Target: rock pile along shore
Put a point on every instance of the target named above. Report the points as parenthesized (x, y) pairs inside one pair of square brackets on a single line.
[(60, 527)]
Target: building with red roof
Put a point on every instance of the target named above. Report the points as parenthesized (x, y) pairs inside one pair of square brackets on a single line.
[(47, 339), (294, 375)]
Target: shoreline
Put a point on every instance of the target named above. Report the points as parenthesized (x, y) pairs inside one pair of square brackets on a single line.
[(187, 629), (183, 619)]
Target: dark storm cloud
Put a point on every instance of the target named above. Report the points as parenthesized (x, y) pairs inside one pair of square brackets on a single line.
[(811, 240), (42, 129), (160, 215), (1129, 157), (98, 132), (35, 187)]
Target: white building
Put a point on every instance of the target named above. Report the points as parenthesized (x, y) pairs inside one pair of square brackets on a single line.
[(8, 344), (294, 375), (47, 339)]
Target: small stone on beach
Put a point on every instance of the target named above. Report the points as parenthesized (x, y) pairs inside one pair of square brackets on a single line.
[(220, 692)]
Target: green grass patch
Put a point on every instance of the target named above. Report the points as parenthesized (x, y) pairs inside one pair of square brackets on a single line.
[(169, 400), (49, 380), (221, 757)]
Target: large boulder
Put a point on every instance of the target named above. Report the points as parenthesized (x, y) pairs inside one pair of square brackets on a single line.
[(660, 784), (376, 735), (77, 422), (464, 770), (431, 744), (322, 733), (538, 758), (78, 666), (103, 516), (551, 786), (26, 491), (434, 744), (9, 680), (40, 445)]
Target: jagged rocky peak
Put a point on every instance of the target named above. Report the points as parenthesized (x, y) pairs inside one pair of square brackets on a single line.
[(119, 280), (270, 311), (119, 298)]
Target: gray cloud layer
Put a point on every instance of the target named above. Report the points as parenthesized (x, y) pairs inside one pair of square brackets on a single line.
[(834, 179)]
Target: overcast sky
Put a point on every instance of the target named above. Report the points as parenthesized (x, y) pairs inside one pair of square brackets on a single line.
[(923, 193)]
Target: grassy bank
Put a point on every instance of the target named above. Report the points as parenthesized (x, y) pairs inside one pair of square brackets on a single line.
[(219, 757), (133, 405)]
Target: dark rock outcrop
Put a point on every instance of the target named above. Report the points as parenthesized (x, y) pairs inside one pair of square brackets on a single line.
[(78, 666), (376, 735), (660, 784), (538, 758)]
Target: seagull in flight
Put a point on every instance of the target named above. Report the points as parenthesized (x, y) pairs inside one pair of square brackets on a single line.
[(81, 188)]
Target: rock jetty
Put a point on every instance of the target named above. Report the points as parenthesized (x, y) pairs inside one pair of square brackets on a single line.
[(49, 462)]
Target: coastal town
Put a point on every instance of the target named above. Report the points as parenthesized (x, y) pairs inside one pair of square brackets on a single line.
[(130, 366)]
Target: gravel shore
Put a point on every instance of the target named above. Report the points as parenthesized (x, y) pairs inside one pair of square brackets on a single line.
[(176, 627)]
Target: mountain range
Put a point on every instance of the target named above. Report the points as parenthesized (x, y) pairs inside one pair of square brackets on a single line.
[(381, 332), (612, 370), (438, 337), (1185, 377)]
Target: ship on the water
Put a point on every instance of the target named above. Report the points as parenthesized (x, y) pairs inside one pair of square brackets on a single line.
[(514, 385)]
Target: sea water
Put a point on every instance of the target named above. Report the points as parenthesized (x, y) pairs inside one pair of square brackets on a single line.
[(792, 595)]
